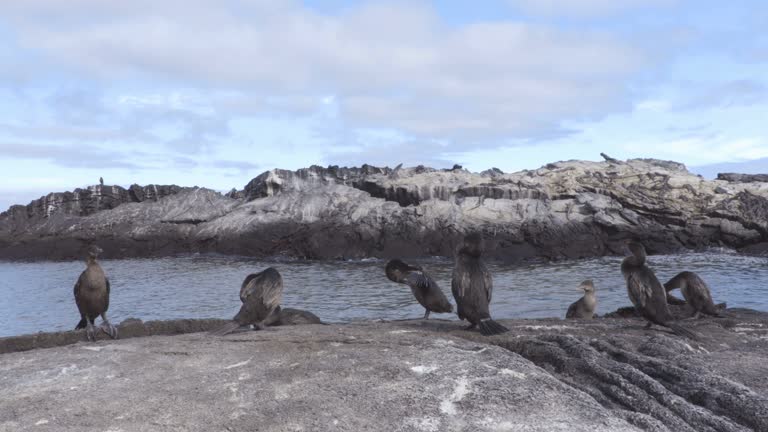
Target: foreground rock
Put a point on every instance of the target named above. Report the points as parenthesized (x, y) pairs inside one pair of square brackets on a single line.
[(133, 327), (562, 210), (544, 375)]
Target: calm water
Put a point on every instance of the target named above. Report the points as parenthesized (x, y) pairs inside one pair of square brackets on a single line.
[(38, 296)]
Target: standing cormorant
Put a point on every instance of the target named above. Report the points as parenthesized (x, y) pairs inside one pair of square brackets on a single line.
[(261, 294), (695, 291), (101, 181), (646, 292), (92, 296), (424, 288), (584, 307), (472, 287)]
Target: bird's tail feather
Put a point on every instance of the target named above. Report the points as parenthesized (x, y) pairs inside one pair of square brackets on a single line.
[(682, 331), (225, 329), (489, 327)]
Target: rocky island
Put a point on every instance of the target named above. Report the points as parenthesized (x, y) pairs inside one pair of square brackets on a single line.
[(566, 209)]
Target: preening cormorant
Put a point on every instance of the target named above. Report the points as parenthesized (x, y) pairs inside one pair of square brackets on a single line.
[(424, 288), (92, 296), (261, 294), (695, 291), (584, 307), (646, 292), (472, 287)]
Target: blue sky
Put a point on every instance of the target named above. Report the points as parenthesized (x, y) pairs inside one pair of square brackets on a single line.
[(213, 92)]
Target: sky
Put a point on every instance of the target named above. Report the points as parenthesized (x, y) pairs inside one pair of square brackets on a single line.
[(214, 92)]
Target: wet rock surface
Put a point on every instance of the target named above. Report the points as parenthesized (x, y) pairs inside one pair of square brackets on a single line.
[(605, 374), (567, 209)]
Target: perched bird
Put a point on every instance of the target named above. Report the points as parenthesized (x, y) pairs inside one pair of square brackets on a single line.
[(424, 288), (584, 307), (695, 291), (101, 181), (472, 287), (92, 296), (261, 294), (646, 292)]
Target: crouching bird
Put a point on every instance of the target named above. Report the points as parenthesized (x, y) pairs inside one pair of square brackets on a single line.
[(696, 293), (584, 307), (261, 294)]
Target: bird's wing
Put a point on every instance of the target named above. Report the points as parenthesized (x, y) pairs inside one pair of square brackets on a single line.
[(78, 290), (571, 312), (488, 282), (106, 303), (420, 280), (459, 283), (639, 292)]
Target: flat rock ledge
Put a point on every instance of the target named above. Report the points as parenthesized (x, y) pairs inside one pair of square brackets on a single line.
[(607, 374)]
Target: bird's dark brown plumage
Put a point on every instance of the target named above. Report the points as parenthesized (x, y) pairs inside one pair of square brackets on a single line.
[(424, 288), (584, 307), (695, 291), (472, 287), (91, 292), (646, 292), (261, 294)]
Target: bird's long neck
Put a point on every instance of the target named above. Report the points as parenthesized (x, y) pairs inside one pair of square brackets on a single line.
[(679, 281)]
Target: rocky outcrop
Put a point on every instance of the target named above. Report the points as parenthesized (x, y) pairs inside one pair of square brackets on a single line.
[(566, 209), (544, 375), (84, 202), (743, 178)]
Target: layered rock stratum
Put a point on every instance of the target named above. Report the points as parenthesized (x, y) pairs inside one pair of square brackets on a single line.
[(568, 209), (608, 374)]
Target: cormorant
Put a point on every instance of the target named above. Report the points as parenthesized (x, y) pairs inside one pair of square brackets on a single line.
[(646, 292), (695, 291), (261, 294), (472, 287), (424, 288), (584, 308), (92, 296)]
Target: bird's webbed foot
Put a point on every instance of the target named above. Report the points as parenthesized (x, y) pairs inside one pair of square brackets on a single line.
[(470, 327), (648, 325), (109, 329)]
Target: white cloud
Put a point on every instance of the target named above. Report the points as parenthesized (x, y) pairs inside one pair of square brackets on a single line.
[(389, 66), (586, 8)]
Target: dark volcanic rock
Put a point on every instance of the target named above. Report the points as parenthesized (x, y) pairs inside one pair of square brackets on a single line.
[(743, 178), (567, 209)]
